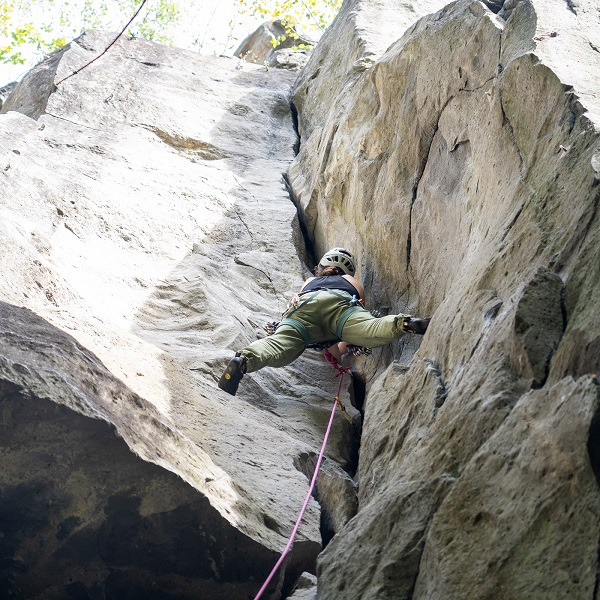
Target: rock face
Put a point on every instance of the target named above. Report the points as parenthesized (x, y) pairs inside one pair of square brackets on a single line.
[(6, 90), (258, 47), (83, 515), (462, 163), (147, 233)]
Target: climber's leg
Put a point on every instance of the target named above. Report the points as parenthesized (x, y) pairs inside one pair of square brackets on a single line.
[(276, 350), (363, 329)]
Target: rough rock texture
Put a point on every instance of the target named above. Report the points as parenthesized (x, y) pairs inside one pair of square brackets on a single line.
[(258, 47), (143, 212), (359, 35), (289, 59), (335, 490), (461, 161), (147, 233), (307, 588), (31, 95), (6, 90), (82, 513)]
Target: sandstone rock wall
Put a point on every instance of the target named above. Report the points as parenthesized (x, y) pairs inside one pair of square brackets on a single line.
[(463, 166), (146, 234)]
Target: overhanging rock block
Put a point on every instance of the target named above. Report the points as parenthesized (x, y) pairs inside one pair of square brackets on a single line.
[(81, 509)]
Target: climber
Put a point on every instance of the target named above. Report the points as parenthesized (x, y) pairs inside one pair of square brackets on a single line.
[(328, 313)]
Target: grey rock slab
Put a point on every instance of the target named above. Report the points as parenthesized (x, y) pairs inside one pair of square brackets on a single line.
[(307, 588), (527, 500), (335, 491), (386, 539), (99, 491), (461, 166), (144, 213), (5, 91), (361, 32), (31, 94), (289, 59), (259, 47), (567, 40)]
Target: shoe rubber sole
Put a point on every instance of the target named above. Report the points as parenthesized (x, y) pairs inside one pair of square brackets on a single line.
[(232, 376)]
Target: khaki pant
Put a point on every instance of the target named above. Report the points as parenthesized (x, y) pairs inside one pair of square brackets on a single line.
[(320, 316)]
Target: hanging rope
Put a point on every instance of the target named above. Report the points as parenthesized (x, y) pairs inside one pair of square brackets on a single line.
[(340, 373), (137, 12)]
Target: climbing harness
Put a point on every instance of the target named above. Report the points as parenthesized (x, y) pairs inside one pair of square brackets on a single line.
[(341, 371), (296, 303), (354, 306)]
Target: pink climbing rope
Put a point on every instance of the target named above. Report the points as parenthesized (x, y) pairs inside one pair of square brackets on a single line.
[(340, 373)]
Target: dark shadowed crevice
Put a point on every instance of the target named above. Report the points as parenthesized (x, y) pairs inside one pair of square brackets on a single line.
[(8, 390), (441, 391), (305, 463), (308, 251), (494, 5), (506, 124), (335, 491), (409, 236), (326, 530), (547, 366), (563, 307), (86, 544), (593, 443), (539, 323), (87, 530), (304, 561), (353, 441), (593, 447), (597, 583), (358, 392), (422, 167), (294, 112), (308, 245)]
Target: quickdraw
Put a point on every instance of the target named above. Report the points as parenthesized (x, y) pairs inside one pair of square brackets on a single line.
[(344, 411)]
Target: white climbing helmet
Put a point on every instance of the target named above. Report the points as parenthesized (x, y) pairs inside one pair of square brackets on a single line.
[(339, 257)]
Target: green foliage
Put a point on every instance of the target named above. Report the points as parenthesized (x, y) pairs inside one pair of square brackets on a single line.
[(158, 22), (32, 28), (310, 15)]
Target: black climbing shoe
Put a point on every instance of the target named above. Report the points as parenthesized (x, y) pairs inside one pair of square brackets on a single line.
[(415, 325), (233, 374)]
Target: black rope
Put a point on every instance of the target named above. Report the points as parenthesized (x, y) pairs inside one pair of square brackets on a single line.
[(137, 12)]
